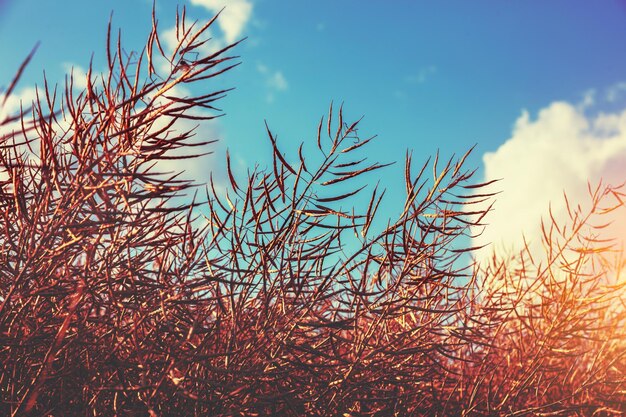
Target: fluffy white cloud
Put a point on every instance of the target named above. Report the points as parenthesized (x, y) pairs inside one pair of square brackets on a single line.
[(561, 151), (24, 98), (198, 169), (233, 18)]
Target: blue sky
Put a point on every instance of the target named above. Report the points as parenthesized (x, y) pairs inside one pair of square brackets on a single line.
[(426, 75)]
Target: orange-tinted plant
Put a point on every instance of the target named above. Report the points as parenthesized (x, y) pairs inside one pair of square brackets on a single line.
[(118, 300), (559, 342)]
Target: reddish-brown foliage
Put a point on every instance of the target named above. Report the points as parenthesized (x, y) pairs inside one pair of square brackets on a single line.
[(116, 301)]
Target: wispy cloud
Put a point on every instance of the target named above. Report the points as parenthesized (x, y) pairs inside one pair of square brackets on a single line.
[(615, 91), (422, 75), (413, 80), (235, 15), (561, 151), (275, 81)]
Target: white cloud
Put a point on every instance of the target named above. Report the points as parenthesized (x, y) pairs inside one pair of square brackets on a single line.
[(277, 81), (196, 169), (233, 18), (562, 150), (79, 75), (28, 95), (169, 39), (422, 75), (170, 42), (262, 68), (24, 98), (615, 91), (274, 80), (588, 99)]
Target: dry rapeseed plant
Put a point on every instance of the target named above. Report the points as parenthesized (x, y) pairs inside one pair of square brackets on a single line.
[(114, 301)]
